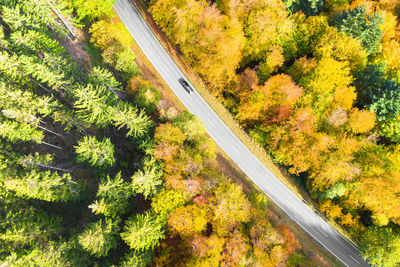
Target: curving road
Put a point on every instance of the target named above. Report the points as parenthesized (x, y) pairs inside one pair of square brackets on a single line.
[(293, 206)]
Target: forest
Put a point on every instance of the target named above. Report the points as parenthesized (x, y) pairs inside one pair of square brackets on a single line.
[(97, 169), (321, 76)]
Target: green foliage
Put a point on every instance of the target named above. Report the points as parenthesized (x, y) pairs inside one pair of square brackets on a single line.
[(191, 126), (126, 65), (381, 246), (113, 195), (93, 104), (147, 98), (137, 122), (137, 258), (54, 254), (381, 95), (21, 225), (104, 78), (337, 190), (357, 23), (97, 153), (88, 11), (308, 7), (143, 231), (167, 200), (148, 180), (259, 200), (14, 131), (48, 186), (99, 238)]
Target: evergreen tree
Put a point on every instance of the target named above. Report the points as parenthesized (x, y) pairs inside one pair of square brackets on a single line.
[(97, 153), (48, 186), (93, 104), (148, 180), (309, 7), (357, 23), (99, 238), (14, 131), (137, 122), (102, 77), (377, 93), (137, 258), (143, 231), (21, 225), (113, 195)]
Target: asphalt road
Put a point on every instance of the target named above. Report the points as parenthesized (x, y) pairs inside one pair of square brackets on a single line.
[(293, 206)]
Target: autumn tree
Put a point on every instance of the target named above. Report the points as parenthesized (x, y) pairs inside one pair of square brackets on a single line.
[(93, 10), (210, 41), (188, 220), (230, 209)]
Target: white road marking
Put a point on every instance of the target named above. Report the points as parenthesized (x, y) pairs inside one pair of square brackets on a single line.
[(323, 233), (354, 259)]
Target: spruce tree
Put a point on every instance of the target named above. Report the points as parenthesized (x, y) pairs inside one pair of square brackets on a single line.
[(93, 104), (97, 153), (148, 180), (143, 231), (137, 122), (112, 197), (99, 238), (357, 23)]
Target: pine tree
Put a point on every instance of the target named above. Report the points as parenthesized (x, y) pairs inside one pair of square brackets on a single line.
[(97, 153), (309, 7), (137, 258), (14, 131), (22, 225)]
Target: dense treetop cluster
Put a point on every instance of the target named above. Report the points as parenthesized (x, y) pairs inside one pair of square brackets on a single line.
[(317, 83), (95, 175)]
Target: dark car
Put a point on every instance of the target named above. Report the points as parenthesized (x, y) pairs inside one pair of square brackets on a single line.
[(185, 85)]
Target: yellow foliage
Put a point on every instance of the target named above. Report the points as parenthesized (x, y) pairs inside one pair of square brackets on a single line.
[(330, 209), (188, 220), (361, 121), (349, 221), (341, 47), (345, 96), (105, 34)]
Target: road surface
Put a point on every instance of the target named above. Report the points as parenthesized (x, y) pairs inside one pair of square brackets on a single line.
[(293, 206)]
